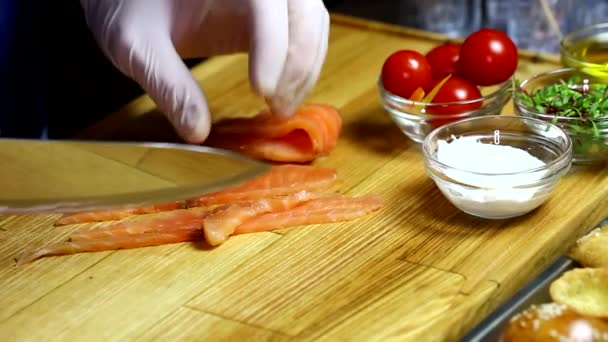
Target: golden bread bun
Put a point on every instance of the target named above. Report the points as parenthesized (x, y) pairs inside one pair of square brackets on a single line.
[(584, 290), (592, 249), (554, 322)]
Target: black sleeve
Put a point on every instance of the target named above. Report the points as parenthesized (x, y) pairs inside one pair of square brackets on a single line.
[(82, 85)]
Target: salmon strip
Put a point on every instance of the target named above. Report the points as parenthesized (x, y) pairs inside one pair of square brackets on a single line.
[(313, 131), (217, 224), (117, 214), (186, 219), (333, 208), (220, 225), (280, 180), (114, 243), (302, 208), (183, 225)]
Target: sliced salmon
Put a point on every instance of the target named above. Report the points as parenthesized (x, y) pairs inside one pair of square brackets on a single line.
[(220, 225), (111, 243), (287, 196), (217, 224), (328, 209), (312, 132), (117, 214), (280, 180), (185, 219), (172, 227)]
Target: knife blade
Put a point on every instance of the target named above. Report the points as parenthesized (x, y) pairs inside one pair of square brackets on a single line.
[(46, 176)]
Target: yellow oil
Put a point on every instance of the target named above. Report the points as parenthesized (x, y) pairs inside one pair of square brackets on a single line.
[(591, 55)]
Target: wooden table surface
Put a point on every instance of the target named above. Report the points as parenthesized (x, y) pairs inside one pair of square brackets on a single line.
[(417, 270)]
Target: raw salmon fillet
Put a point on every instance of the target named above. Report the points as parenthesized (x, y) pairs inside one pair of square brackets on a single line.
[(171, 227), (186, 219), (328, 209), (214, 225), (117, 214), (220, 225), (312, 132), (217, 223), (287, 196), (280, 180), (113, 243)]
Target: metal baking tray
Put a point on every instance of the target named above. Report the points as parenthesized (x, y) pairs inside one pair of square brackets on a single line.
[(535, 292)]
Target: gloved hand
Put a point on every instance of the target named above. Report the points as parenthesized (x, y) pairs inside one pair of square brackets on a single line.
[(286, 40)]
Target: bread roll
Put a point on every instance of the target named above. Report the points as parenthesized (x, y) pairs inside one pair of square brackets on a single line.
[(592, 249), (584, 290), (554, 322)]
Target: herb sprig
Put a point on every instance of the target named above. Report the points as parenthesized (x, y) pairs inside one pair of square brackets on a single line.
[(574, 98)]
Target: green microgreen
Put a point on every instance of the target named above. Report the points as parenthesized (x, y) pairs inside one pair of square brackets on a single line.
[(576, 104)]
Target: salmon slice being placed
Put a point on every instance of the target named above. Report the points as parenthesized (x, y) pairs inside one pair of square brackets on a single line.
[(328, 209), (280, 180), (312, 132)]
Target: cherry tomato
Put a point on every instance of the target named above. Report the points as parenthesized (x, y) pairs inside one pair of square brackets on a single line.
[(404, 71), (487, 57), (443, 59), (455, 89)]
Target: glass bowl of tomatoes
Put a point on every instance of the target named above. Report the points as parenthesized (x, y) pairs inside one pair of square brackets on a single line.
[(419, 118), (450, 82), (573, 100)]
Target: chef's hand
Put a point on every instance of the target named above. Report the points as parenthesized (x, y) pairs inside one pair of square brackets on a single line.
[(286, 41)]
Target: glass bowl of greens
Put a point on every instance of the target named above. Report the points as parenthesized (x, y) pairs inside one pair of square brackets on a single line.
[(574, 101)]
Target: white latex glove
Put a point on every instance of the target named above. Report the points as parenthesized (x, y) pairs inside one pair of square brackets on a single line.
[(286, 40)]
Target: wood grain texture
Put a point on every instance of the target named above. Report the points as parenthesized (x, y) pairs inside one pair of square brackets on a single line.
[(186, 324), (121, 294), (417, 270)]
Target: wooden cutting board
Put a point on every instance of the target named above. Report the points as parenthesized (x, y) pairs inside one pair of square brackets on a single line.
[(418, 270)]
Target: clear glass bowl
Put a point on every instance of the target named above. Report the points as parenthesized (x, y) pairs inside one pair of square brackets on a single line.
[(587, 49), (587, 147), (415, 120), (498, 194)]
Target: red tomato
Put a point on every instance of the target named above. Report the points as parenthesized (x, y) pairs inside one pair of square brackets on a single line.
[(443, 59), (404, 71), (487, 57), (455, 89)]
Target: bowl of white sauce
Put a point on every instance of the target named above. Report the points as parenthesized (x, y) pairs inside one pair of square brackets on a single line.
[(497, 167)]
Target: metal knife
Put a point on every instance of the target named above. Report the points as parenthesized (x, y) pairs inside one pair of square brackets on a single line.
[(45, 176)]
